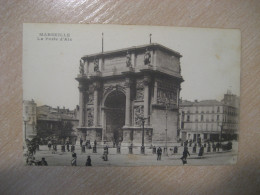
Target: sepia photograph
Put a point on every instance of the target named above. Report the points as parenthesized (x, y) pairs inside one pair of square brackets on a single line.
[(127, 95)]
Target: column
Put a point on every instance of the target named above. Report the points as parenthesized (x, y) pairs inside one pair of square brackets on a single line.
[(133, 60), (81, 105), (154, 58), (128, 103), (85, 110), (155, 93), (177, 97), (83, 134), (103, 124), (96, 88), (146, 98), (100, 63)]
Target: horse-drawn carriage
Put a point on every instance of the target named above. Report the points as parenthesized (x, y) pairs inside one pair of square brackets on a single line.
[(227, 146)]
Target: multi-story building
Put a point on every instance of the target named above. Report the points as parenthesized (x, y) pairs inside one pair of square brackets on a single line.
[(29, 119), (209, 119), (46, 122), (57, 123)]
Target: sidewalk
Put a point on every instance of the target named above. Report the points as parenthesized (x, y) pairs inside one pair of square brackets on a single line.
[(135, 159)]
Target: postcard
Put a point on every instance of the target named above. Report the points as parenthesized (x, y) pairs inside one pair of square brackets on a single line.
[(126, 95)]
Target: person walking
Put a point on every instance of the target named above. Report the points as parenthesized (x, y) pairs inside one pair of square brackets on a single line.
[(49, 144), (68, 145), (185, 155), (74, 159), (88, 162), (81, 141), (159, 153), (201, 151)]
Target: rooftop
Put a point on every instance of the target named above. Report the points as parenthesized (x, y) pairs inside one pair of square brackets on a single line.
[(201, 103), (134, 48)]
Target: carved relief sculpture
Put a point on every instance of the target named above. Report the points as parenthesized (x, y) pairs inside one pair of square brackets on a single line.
[(90, 98), (139, 90), (90, 117), (138, 112), (96, 65)]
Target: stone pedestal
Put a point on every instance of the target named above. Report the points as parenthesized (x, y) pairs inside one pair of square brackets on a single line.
[(94, 133), (133, 135)]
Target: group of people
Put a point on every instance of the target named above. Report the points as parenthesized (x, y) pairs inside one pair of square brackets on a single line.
[(31, 161), (87, 143), (74, 160)]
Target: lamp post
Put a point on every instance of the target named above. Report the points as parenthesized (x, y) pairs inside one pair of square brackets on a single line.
[(143, 122), (166, 127), (221, 128)]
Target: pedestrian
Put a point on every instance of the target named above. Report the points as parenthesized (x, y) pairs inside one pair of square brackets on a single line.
[(88, 162), (185, 155), (105, 158), (95, 143), (201, 151), (43, 162), (49, 144), (214, 147), (81, 141), (159, 153), (74, 159), (218, 146), (68, 145)]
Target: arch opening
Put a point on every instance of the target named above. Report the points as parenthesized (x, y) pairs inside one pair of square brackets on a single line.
[(115, 116)]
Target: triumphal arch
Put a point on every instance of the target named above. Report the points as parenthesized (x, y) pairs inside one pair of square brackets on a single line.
[(120, 89)]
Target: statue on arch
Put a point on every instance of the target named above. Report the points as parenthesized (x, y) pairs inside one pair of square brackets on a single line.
[(147, 57), (81, 66), (128, 60), (96, 65)]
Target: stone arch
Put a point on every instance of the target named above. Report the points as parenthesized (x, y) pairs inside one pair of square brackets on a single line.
[(110, 89)]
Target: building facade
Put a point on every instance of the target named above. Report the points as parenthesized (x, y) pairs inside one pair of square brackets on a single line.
[(118, 89), (58, 124), (210, 119), (29, 119)]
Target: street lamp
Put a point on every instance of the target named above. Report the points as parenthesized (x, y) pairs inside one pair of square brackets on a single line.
[(221, 128), (167, 104), (143, 121)]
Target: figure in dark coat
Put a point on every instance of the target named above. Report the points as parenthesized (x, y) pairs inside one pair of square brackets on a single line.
[(88, 162), (44, 162), (185, 155), (74, 159), (201, 151), (159, 153), (68, 146)]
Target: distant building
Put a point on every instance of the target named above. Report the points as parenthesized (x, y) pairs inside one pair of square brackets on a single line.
[(210, 119), (46, 122), (57, 123), (29, 119)]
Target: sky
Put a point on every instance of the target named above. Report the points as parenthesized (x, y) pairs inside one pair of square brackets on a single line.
[(210, 64)]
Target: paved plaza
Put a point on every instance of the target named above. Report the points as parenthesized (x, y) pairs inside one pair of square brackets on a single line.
[(136, 159)]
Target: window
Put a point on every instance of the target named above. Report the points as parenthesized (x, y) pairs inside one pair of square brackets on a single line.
[(217, 117), (201, 117), (218, 109), (188, 117)]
